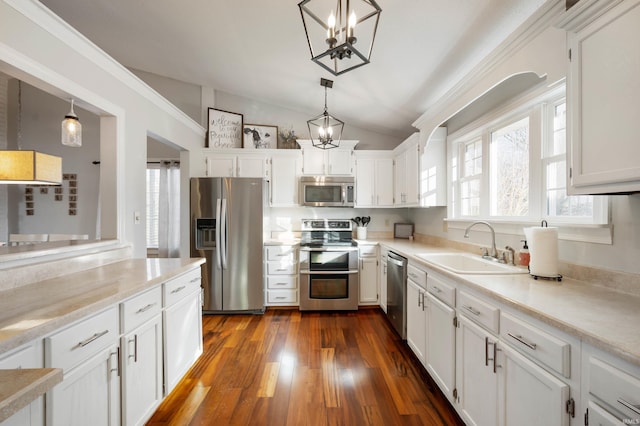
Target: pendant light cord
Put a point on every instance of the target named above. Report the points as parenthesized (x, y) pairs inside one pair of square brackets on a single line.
[(19, 130)]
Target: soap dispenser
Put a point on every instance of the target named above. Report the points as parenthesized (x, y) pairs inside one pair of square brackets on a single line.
[(525, 256)]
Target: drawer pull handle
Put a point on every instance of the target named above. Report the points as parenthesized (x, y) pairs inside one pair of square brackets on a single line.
[(412, 275), (472, 310), (178, 290), (630, 406), (96, 336), (280, 297), (437, 289), (282, 269), (146, 308), (524, 342), (283, 254), (281, 283), (195, 279)]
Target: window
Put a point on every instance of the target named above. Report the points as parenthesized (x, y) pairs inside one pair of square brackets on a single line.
[(153, 203), (510, 166)]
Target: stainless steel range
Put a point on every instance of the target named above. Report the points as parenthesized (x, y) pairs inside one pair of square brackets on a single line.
[(328, 266)]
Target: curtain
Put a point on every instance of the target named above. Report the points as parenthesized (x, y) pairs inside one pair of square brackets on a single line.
[(169, 210)]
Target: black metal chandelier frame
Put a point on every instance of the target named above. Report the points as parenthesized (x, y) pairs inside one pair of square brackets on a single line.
[(325, 125)]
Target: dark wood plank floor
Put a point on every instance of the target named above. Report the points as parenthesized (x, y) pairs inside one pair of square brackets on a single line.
[(291, 368)]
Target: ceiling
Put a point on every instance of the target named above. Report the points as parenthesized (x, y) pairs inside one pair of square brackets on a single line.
[(257, 49)]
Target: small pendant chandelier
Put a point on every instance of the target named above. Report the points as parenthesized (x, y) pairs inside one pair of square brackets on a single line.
[(326, 128), (71, 129), (331, 27)]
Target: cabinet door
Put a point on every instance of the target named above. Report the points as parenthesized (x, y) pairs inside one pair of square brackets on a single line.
[(89, 393), (365, 182), (441, 335), (416, 320), (412, 164), (384, 182), (368, 280), (141, 372), (29, 356), (603, 92), (530, 396), (383, 280), (476, 382), (221, 165), (339, 162), (313, 161), (182, 338), (252, 166), (284, 181), (399, 181)]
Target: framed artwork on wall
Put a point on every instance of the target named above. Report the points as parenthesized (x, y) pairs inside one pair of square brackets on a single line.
[(224, 129), (260, 136)]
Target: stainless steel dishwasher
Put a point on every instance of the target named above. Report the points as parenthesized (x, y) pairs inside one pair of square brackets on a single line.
[(397, 292)]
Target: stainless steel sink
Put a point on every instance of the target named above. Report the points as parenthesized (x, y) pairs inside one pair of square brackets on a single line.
[(464, 263)]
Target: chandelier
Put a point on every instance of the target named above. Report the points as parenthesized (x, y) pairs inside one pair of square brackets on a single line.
[(71, 129), (340, 33), (326, 128)]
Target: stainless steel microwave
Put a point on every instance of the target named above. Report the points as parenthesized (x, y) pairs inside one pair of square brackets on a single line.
[(327, 191)]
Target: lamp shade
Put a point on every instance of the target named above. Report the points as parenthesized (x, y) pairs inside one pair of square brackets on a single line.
[(30, 167)]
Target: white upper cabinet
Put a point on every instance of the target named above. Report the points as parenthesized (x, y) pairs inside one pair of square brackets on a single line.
[(406, 172), (602, 96), (374, 179), (225, 164), (286, 168), (433, 170), (335, 161)]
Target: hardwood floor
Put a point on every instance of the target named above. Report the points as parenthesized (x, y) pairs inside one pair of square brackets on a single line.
[(287, 367)]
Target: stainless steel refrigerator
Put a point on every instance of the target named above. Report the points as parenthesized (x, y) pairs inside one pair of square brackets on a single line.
[(227, 229)]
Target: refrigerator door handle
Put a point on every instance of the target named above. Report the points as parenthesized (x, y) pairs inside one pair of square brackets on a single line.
[(223, 236), (218, 226)]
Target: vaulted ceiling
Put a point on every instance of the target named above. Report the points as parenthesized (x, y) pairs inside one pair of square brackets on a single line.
[(257, 49)]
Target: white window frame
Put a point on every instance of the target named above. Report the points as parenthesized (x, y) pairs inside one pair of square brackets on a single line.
[(538, 104)]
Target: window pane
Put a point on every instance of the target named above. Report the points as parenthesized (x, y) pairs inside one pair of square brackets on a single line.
[(470, 197), (556, 175), (510, 170), (153, 194), (559, 142), (472, 159)]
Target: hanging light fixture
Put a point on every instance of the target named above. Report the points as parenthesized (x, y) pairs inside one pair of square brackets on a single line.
[(28, 167), (331, 27), (71, 129), (326, 128)]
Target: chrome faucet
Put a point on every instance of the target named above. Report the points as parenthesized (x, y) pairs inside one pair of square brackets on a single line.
[(493, 254)]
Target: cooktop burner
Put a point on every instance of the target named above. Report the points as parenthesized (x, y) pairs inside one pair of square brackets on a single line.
[(320, 233)]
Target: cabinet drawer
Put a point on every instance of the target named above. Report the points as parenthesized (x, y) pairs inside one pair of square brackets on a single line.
[(282, 282), (282, 252), (282, 296), (368, 250), (418, 276), (78, 342), (481, 312), (139, 309), (538, 344), (281, 268), (442, 290), (600, 417), (179, 287), (615, 387), (29, 356)]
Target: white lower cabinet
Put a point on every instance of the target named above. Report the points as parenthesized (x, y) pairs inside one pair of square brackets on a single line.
[(28, 356), (281, 275), (417, 312), (141, 356), (88, 353), (182, 320), (368, 294), (476, 381), (529, 396), (441, 352)]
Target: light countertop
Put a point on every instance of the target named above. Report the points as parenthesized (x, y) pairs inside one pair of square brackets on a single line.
[(20, 387), (597, 315)]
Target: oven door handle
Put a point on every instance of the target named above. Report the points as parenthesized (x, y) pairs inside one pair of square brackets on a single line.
[(306, 271)]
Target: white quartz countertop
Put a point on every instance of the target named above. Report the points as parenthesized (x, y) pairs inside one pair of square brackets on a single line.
[(599, 316)]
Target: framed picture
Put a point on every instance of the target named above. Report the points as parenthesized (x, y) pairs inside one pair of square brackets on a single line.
[(259, 136), (224, 129)]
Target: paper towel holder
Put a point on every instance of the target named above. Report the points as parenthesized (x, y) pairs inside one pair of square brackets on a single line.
[(558, 277)]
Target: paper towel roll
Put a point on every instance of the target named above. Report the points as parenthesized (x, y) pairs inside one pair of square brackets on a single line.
[(543, 247)]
